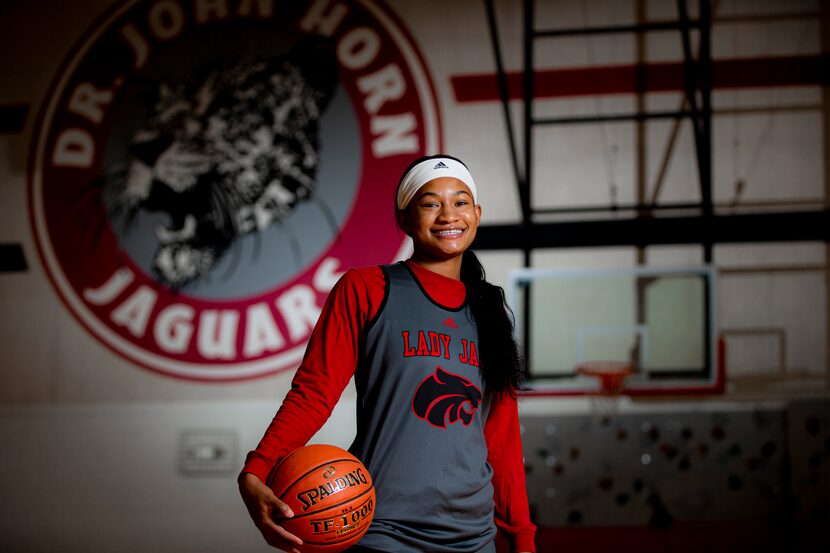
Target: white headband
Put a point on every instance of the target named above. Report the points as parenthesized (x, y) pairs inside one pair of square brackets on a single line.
[(429, 169)]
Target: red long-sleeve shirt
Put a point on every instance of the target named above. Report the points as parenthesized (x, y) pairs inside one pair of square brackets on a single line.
[(330, 362)]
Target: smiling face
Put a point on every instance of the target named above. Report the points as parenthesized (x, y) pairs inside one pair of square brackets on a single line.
[(441, 219)]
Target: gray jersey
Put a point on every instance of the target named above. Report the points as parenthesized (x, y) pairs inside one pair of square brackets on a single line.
[(420, 425)]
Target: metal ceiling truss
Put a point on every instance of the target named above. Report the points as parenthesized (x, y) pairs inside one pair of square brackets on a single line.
[(649, 223)]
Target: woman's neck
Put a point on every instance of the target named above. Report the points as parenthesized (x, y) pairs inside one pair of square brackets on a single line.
[(450, 268)]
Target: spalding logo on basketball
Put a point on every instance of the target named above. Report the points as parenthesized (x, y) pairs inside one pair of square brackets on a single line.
[(331, 494)]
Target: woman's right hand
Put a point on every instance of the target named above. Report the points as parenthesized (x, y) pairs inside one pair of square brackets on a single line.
[(262, 504)]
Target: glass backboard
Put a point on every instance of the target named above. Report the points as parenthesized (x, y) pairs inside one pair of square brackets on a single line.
[(660, 322)]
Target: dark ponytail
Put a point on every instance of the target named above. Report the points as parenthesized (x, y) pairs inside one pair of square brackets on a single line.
[(501, 365)]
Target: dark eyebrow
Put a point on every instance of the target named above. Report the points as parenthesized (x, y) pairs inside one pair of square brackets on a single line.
[(457, 193)]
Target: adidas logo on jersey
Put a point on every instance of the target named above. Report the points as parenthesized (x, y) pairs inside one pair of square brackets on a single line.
[(450, 323), (440, 165)]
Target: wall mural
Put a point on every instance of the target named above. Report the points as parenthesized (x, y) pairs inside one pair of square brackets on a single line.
[(202, 173)]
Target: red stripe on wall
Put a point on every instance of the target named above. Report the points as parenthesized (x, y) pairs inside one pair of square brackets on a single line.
[(653, 77), (682, 537)]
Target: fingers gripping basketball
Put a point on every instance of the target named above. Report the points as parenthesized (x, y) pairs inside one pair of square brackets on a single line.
[(330, 493)]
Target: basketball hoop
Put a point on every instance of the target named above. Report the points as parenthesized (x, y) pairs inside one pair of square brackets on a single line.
[(611, 377)]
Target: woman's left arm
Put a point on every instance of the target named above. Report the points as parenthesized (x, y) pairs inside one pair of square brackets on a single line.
[(504, 446)]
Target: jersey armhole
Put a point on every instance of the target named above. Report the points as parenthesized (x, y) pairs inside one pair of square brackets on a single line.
[(386, 284)]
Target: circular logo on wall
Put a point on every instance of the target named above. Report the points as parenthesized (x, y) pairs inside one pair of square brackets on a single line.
[(204, 171)]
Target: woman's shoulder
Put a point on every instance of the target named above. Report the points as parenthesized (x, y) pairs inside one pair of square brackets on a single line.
[(369, 277), (360, 288), (362, 282)]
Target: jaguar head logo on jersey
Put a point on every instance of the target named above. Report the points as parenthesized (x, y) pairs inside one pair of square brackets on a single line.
[(445, 398), (203, 172)]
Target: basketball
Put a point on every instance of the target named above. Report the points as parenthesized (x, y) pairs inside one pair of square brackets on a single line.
[(331, 494)]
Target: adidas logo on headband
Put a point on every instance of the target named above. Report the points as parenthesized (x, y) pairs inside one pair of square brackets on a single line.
[(423, 170)]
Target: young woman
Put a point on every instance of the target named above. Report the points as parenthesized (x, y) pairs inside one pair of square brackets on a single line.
[(430, 345)]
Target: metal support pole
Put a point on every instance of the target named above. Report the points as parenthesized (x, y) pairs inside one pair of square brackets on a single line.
[(527, 95), (504, 95), (825, 95)]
